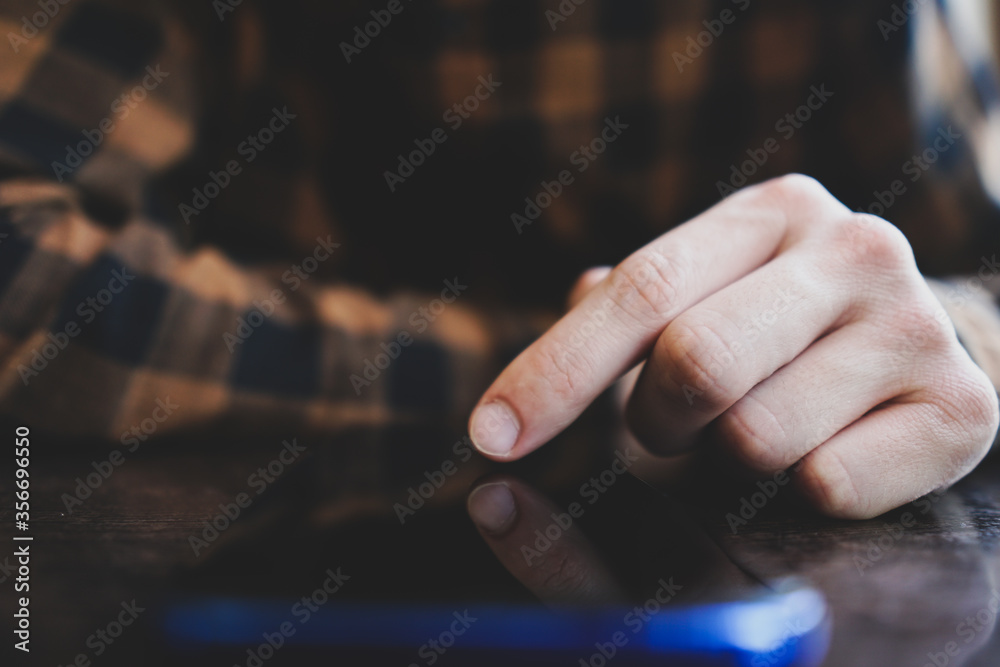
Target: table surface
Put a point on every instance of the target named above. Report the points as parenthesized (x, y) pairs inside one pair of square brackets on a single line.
[(901, 586)]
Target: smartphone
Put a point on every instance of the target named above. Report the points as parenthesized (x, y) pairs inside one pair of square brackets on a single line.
[(292, 588)]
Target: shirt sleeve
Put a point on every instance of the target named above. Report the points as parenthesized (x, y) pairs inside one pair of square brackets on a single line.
[(975, 314), (114, 324), (956, 84)]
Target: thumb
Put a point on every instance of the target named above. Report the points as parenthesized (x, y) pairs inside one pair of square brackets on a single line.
[(587, 281)]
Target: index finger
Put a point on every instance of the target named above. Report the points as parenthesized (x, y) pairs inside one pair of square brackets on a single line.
[(551, 382)]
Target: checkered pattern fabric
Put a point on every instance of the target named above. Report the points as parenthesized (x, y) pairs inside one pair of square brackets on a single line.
[(286, 213)]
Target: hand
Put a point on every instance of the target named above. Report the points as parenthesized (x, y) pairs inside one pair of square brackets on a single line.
[(781, 325)]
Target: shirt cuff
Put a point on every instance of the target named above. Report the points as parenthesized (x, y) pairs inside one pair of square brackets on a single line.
[(976, 318)]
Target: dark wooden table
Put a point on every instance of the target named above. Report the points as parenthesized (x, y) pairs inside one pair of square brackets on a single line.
[(902, 587)]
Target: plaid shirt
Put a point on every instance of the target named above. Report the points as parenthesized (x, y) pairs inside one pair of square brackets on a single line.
[(287, 215)]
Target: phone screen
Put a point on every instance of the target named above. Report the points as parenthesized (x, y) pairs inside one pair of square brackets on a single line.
[(427, 588)]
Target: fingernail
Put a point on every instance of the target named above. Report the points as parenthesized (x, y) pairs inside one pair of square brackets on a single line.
[(492, 507), (494, 429)]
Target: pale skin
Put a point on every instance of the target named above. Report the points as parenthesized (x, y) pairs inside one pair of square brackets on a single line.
[(798, 334)]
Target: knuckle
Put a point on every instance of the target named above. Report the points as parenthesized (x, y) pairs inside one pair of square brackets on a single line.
[(870, 242), (967, 403), (694, 362), (827, 484), (753, 433), (647, 287), (986, 409), (923, 328)]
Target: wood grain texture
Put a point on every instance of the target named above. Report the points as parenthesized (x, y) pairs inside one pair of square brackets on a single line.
[(893, 603)]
